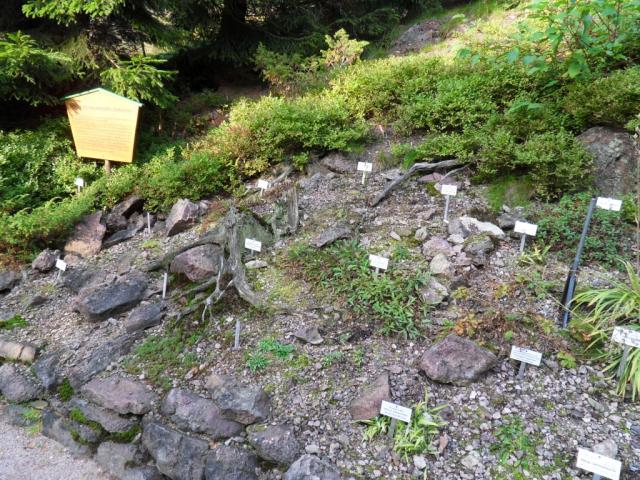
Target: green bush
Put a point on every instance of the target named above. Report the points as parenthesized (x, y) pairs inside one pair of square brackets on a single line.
[(610, 100)]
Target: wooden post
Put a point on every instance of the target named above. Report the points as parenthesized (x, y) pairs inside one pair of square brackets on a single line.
[(107, 167)]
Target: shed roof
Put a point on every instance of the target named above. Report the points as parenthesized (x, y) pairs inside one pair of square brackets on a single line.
[(100, 89)]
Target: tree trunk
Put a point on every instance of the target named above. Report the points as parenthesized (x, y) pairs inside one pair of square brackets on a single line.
[(234, 14)]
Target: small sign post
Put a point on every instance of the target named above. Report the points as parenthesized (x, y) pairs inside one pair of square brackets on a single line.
[(236, 342), (525, 229), (599, 465), (611, 204), (148, 224), (61, 265), (448, 191), (252, 245), (395, 412), (525, 357), (165, 282), (263, 185), (378, 262), (79, 182), (630, 339), (365, 167)]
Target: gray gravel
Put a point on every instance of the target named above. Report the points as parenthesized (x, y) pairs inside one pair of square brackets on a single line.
[(24, 457)]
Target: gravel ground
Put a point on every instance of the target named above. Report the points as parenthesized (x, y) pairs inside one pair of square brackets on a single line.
[(25, 457)]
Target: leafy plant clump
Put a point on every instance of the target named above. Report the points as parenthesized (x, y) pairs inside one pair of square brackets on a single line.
[(417, 437), (65, 390), (258, 359), (17, 321), (607, 308), (343, 271)]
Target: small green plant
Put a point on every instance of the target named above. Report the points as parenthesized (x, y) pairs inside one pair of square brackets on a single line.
[(65, 390), (416, 437), (358, 356), (151, 244), (17, 321), (567, 360), (257, 362), (280, 350), (508, 336), (126, 436), (78, 416), (534, 256), (31, 415), (332, 358)]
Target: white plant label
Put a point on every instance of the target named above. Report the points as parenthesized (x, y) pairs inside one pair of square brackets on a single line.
[(395, 411), (527, 356), (252, 244), (599, 464), (626, 336), (61, 265), (378, 262), (365, 167), (263, 184), (79, 182), (609, 204), (526, 228), (451, 190)]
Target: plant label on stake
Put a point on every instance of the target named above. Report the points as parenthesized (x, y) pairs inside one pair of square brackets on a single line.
[(448, 191), (611, 204), (525, 229), (599, 465), (365, 167), (630, 339), (165, 283), (525, 356), (252, 245), (263, 185), (61, 265), (79, 182), (148, 223), (395, 412), (236, 342), (378, 262)]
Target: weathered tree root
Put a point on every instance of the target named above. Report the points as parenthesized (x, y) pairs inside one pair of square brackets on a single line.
[(230, 234), (423, 167)]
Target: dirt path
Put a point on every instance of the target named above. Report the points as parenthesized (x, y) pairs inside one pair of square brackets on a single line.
[(27, 457)]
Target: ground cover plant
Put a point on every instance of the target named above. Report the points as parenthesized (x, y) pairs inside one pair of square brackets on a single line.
[(391, 299)]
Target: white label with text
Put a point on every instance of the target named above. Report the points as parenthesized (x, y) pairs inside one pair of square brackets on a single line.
[(263, 184), (609, 204), (252, 244), (61, 265), (79, 182), (451, 190), (365, 167), (378, 262), (395, 411), (599, 464), (527, 356), (626, 336), (526, 228)]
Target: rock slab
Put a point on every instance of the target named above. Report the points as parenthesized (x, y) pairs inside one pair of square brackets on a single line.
[(231, 463), (120, 395), (86, 239), (183, 216), (16, 386), (367, 405), (310, 467), (245, 404), (275, 443), (145, 316), (456, 360), (198, 263), (103, 302)]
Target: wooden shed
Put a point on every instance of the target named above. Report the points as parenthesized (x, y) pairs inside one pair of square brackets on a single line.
[(103, 124)]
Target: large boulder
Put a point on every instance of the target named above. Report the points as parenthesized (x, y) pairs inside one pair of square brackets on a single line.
[(48, 369), (310, 467), (200, 415), (245, 404), (103, 302), (84, 279), (145, 316), (125, 461), (275, 443), (118, 218), (466, 226), (184, 214), (456, 360), (86, 240), (45, 260), (614, 160), (98, 359), (66, 432), (178, 456), (8, 280), (198, 263), (367, 404), (339, 163), (120, 395), (231, 463), (16, 385), (109, 420)]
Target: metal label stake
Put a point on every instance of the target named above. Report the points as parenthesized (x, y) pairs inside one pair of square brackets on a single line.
[(165, 281), (236, 343), (572, 278), (148, 223), (446, 208)]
